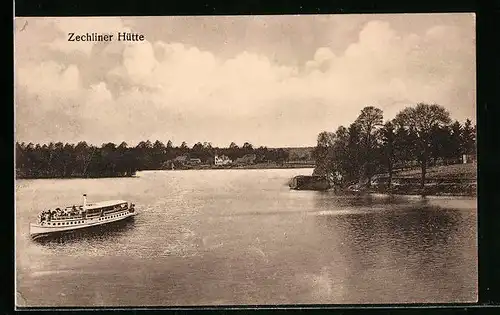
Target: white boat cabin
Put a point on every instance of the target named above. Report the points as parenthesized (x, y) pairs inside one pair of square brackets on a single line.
[(85, 211)]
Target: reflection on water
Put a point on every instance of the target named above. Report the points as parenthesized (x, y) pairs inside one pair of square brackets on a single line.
[(427, 240), (242, 237)]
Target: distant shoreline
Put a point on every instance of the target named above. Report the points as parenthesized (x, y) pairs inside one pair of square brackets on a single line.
[(74, 177), (245, 167)]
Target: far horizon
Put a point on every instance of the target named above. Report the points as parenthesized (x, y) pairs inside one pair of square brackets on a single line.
[(274, 81)]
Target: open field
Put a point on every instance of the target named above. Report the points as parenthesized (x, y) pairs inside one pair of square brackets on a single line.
[(456, 171), (454, 180)]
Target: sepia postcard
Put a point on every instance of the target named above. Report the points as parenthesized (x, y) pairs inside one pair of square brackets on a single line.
[(245, 160)]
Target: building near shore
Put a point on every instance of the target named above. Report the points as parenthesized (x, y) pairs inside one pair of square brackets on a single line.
[(468, 158), (181, 159), (222, 160), (194, 161)]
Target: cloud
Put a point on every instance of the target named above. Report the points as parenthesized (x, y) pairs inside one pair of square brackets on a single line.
[(135, 91), (49, 78)]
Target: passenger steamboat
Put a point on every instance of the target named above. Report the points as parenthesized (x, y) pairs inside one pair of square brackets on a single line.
[(80, 217)]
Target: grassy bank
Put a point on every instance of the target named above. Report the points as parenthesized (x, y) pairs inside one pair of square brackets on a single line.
[(452, 172), (452, 180)]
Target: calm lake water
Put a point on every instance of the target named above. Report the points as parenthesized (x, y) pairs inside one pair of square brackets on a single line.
[(227, 237)]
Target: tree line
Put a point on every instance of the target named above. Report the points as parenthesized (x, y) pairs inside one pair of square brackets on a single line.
[(58, 160), (423, 135)]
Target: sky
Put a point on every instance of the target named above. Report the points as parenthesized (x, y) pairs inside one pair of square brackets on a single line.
[(275, 81)]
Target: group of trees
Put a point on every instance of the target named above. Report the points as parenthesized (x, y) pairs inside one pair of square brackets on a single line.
[(68, 160), (422, 135), (83, 160), (206, 152)]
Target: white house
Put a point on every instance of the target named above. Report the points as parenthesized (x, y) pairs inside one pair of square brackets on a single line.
[(222, 160)]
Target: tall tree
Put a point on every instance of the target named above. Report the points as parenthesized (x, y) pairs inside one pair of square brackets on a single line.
[(247, 148), (368, 121), (421, 120), (440, 144), (184, 147), (455, 142), (387, 136), (321, 155), (468, 138), (354, 153), (233, 151), (158, 154), (340, 154), (404, 145), (197, 150)]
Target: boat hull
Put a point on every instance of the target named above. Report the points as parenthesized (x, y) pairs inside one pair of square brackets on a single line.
[(46, 229)]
